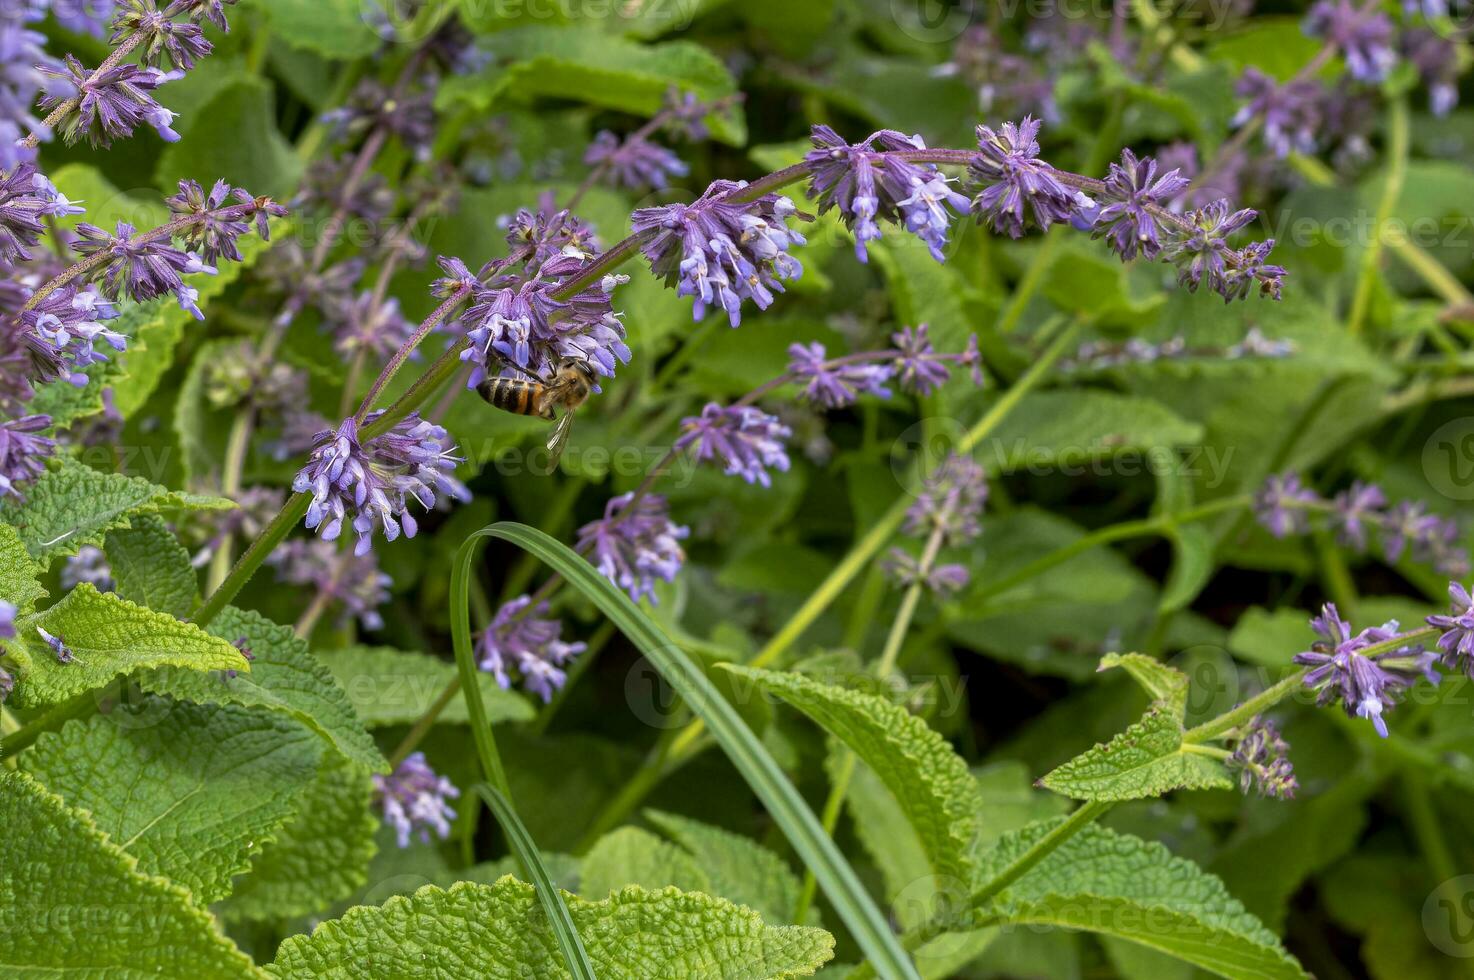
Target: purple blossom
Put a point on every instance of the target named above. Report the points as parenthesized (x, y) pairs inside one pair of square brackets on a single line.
[(685, 115), (112, 104), (180, 42), (22, 453), (1004, 82), (370, 484), (63, 652), (1282, 505), (7, 621), (745, 440), (214, 226), (1262, 758), (521, 637), (1203, 255), (950, 501), (372, 325), (634, 162), (353, 580), (635, 549), (721, 251), (1352, 508), (1436, 59), (1366, 686), (137, 266), (1132, 191), (23, 54), (1409, 523), (1364, 36), (871, 180), (1013, 184), (65, 329), (409, 116), (202, 10), (414, 798), (88, 565), (1457, 641), (907, 570), (919, 369), (1291, 113), (839, 384)]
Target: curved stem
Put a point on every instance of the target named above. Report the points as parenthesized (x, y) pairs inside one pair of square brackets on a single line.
[(1397, 152), (400, 356), (1235, 717), (1042, 848), (272, 535)]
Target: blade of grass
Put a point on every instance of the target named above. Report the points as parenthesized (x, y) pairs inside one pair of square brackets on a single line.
[(838, 880), (497, 795)]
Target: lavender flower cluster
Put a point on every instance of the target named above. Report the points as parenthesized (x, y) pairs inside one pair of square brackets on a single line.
[(1365, 672), (1099, 355), (946, 513), (522, 639), (1285, 506), (415, 800)]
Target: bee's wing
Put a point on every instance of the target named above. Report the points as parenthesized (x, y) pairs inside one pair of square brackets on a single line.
[(559, 438)]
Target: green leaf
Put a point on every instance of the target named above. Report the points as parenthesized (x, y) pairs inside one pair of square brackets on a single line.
[(1073, 427), (1278, 46), (72, 505), (192, 795), (235, 139), (737, 868), (631, 856), (1118, 885), (498, 931), (284, 677), (18, 573), (1147, 759), (1162, 682), (319, 857), (331, 28), (109, 636), (77, 905), (1192, 566), (150, 566), (926, 776), (924, 290), (396, 687), (814, 847), (1092, 283), (1270, 639), (596, 69)]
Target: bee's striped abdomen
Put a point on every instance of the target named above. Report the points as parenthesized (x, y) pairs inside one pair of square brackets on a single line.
[(515, 395)]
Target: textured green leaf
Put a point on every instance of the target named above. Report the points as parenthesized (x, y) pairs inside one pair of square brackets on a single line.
[(1119, 885), (331, 28), (396, 687), (72, 505), (109, 636), (497, 931), (927, 777), (1073, 427), (319, 857), (235, 138), (18, 573), (631, 856), (77, 905), (597, 69), (284, 677), (1162, 682), (1147, 759), (191, 794), (1092, 283), (150, 566), (1270, 639), (738, 868)]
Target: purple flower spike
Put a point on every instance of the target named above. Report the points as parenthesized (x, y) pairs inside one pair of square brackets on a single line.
[(1352, 508), (721, 252), (1132, 189), (871, 180), (1436, 59), (919, 368), (1292, 113), (1015, 185), (111, 105), (835, 385), (1366, 686), (179, 42), (214, 223), (522, 638), (1203, 255), (371, 484), (1262, 758), (635, 163), (355, 581), (1409, 523), (22, 453), (1282, 505), (1457, 641), (906, 570), (1364, 37), (745, 440), (633, 550), (951, 501), (7, 620), (414, 798)]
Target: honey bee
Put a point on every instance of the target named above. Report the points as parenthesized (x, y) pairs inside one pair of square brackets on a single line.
[(571, 386)]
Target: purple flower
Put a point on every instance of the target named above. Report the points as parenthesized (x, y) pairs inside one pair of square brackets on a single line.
[(633, 549), (1132, 191), (635, 162), (870, 180), (685, 115), (1436, 59), (521, 637), (1409, 523), (1262, 758), (89, 565), (180, 42), (1203, 255), (134, 265), (1350, 508), (353, 580), (1363, 35), (7, 621), (22, 453), (409, 116), (919, 369), (215, 225), (1292, 113), (907, 571), (63, 652), (745, 440), (414, 799), (1366, 686), (371, 484), (1282, 505), (835, 385), (198, 10), (370, 324), (950, 501), (112, 104), (721, 251), (1457, 641), (1014, 184)]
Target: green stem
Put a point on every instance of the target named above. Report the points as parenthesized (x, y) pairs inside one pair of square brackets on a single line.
[(1266, 699), (1398, 138), (1025, 862), (236, 447), (1032, 279), (272, 535)]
